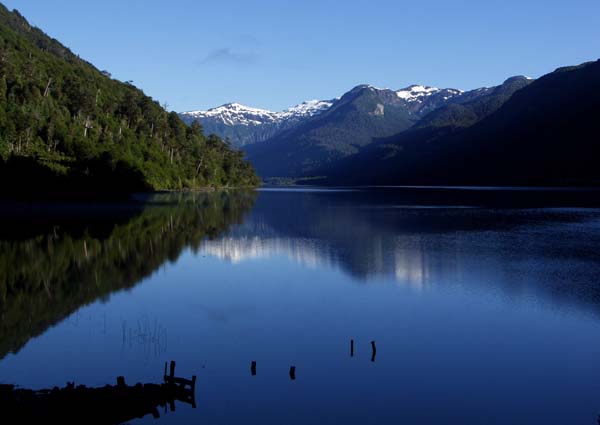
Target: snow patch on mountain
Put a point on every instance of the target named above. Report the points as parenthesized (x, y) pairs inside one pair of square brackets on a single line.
[(418, 93), (306, 109), (237, 114)]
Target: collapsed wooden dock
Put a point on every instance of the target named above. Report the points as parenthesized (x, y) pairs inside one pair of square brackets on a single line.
[(108, 405)]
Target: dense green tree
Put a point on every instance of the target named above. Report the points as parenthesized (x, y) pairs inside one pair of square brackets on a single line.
[(63, 119)]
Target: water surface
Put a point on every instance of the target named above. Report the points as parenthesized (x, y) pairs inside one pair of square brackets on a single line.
[(484, 307)]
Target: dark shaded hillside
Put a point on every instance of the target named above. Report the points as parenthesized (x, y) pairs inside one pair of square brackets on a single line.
[(472, 111), (67, 127), (545, 134)]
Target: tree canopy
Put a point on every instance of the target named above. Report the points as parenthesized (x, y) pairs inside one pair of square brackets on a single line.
[(67, 126)]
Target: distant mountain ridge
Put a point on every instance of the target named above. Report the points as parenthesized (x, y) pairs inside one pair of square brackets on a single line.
[(361, 116), (354, 138), (244, 125)]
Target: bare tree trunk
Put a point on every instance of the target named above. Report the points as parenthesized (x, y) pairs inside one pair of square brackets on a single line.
[(47, 91), (88, 125), (152, 131), (199, 165), (47, 288)]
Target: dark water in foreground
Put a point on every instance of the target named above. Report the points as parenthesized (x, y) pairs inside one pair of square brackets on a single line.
[(482, 312)]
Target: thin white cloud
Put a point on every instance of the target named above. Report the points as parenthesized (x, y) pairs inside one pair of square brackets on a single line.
[(226, 55)]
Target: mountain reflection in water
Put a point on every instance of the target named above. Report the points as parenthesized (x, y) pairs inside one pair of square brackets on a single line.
[(371, 234)]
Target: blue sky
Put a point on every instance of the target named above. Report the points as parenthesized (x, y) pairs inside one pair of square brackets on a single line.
[(274, 54)]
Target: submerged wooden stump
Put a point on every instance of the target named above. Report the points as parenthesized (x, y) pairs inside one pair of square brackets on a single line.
[(373, 351)]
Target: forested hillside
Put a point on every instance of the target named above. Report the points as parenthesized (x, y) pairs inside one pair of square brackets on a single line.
[(65, 126)]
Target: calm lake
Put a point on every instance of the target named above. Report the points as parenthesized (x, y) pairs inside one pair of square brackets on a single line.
[(484, 305)]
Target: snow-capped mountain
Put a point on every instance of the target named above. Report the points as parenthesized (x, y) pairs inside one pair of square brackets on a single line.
[(234, 114), (361, 116), (243, 125)]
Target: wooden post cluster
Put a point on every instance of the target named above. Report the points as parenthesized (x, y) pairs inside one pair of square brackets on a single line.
[(373, 349)]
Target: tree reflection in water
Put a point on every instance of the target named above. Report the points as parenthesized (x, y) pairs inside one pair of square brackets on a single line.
[(55, 259)]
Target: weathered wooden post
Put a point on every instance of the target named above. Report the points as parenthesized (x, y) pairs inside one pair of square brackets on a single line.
[(374, 351), (193, 385), (293, 373), (351, 348), (172, 370)]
